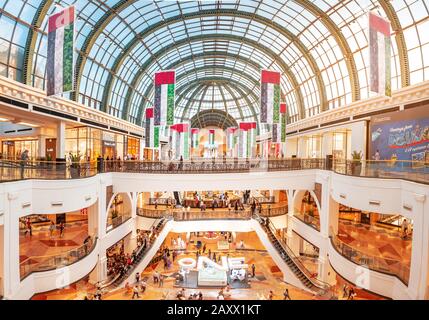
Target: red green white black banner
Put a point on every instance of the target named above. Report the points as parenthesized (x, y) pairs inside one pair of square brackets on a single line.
[(59, 65), (151, 131), (247, 139), (195, 133), (212, 133), (270, 97), (231, 138), (279, 129), (180, 140), (165, 82), (380, 54)]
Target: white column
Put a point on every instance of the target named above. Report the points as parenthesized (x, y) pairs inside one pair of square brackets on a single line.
[(329, 210), (93, 220), (11, 281), (326, 144), (42, 147), (302, 147), (61, 139), (100, 271), (418, 268)]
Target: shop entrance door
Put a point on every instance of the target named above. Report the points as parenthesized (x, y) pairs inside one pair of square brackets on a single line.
[(109, 152), (9, 150), (51, 149), (365, 218)]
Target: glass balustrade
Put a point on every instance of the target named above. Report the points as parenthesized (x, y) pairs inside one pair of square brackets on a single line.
[(380, 264), (407, 170), (45, 263)]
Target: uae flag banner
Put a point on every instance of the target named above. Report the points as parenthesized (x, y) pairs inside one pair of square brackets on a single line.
[(278, 133), (231, 138), (212, 133), (195, 132), (380, 55), (151, 132), (59, 65), (270, 97), (247, 139), (164, 98), (180, 140)]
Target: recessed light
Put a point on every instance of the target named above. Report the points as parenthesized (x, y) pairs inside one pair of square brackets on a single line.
[(3, 119), (28, 124)]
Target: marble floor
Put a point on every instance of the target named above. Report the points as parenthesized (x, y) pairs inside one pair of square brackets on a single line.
[(376, 241), (33, 249), (267, 276)]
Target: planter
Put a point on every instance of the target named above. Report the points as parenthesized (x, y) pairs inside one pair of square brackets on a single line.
[(75, 172), (356, 168)]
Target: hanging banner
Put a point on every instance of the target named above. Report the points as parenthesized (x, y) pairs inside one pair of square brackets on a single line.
[(151, 132), (212, 133), (270, 97), (195, 137), (164, 98), (247, 139), (230, 135), (59, 65), (380, 55), (180, 140), (278, 133)]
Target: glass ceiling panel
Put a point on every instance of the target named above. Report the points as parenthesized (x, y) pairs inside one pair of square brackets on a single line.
[(17, 16)]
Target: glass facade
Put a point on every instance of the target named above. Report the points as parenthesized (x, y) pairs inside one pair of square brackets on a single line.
[(218, 49), (91, 143)]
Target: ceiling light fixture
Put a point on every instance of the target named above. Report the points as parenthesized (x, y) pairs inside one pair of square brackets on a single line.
[(3, 119), (28, 124)]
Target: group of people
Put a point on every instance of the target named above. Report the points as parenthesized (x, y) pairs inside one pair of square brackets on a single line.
[(406, 229), (348, 292), (181, 295)]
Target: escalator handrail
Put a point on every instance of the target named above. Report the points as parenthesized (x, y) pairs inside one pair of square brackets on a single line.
[(316, 282)]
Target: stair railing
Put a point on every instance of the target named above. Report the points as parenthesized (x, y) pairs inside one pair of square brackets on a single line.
[(323, 286)]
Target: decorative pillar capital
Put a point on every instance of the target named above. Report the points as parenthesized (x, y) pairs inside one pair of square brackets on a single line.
[(420, 197)]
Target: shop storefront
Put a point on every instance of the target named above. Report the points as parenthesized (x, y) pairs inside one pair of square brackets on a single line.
[(91, 143), (132, 148), (12, 149)]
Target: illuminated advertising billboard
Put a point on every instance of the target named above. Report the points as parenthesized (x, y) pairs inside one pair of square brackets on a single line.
[(400, 135)]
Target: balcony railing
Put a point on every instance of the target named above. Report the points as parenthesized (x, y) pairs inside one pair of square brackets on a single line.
[(179, 215), (51, 262), (417, 171), (313, 222), (213, 215), (117, 221), (384, 265)]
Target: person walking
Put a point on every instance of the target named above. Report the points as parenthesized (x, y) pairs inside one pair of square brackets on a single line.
[(204, 248), (271, 295), (137, 277), (24, 159), (161, 280), (345, 291), (352, 294), (52, 228), (29, 228), (136, 292), (62, 227), (253, 270), (286, 295)]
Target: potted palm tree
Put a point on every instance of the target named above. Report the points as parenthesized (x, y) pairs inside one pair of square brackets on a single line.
[(356, 165), (75, 165)]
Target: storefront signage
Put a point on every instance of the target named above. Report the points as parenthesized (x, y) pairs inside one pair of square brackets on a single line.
[(402, 135), (109, 143)]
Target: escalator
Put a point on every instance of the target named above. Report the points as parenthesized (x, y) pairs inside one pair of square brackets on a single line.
[(177, 198), (117, 281), (294, 265)]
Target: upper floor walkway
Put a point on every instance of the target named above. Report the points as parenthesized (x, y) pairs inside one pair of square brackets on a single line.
[(415, 171)]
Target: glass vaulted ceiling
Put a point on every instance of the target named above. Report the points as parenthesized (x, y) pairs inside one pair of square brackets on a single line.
[(218, 49)]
